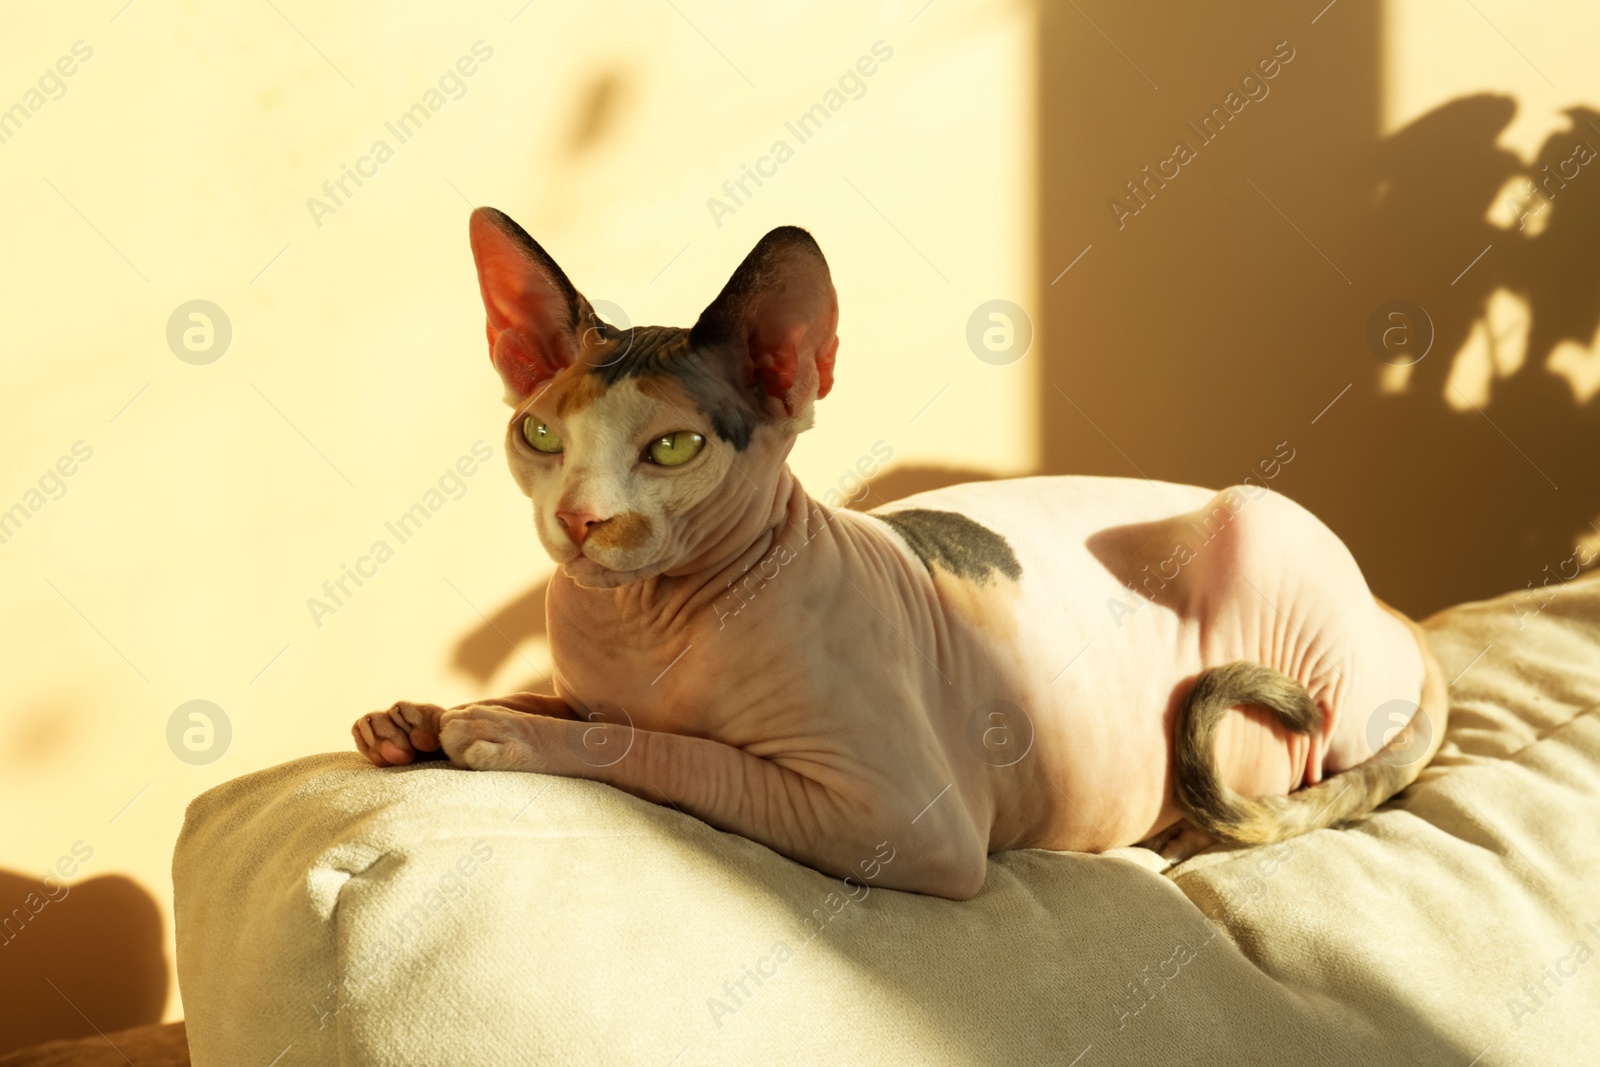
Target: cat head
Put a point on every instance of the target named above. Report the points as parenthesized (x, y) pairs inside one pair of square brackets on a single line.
[(655, 449)]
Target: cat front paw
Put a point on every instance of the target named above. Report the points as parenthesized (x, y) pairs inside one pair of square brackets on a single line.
[(398, 734), (482, 737)]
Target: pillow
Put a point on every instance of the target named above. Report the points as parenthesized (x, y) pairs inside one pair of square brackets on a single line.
[(329, 912)]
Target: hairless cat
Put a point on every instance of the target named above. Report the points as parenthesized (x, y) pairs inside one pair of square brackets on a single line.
[(842, 686)]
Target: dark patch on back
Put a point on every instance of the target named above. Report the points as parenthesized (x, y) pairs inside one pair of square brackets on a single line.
[(965, 548), (668, 351)]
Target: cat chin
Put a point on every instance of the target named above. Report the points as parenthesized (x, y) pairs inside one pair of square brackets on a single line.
[(587, 574)]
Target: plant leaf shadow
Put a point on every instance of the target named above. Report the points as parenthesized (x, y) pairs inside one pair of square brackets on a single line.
[(1239, 306)]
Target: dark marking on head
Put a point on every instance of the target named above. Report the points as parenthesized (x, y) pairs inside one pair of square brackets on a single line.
[(965, 548), (669, 352), (618, 354)]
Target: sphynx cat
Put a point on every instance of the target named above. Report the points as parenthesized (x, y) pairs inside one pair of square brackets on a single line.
[(941, 678)]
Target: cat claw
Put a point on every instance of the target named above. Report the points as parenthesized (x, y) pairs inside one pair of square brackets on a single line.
[(399, 734)]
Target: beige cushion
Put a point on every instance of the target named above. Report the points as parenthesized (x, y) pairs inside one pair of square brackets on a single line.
[(340, 914)]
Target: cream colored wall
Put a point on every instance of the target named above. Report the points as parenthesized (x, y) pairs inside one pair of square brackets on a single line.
[(1543, 57), (178, 165), (1232, 315)]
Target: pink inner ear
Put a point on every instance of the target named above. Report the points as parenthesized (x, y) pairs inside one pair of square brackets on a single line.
[(520, 367), (529, 314), (777, 362), (775, 349), (781, 304), (825, 357)]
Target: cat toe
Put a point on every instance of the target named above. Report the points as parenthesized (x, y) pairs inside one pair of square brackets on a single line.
[(393, 753), (484, 738)]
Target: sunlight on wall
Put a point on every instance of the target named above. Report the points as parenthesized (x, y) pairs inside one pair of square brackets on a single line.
[(317, 193), (1496, 348), (1434, 54), (179, 517), (1580, 366)]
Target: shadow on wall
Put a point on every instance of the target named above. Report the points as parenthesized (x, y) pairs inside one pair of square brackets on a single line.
[(77, 959), (1412, 314), (485, 649)]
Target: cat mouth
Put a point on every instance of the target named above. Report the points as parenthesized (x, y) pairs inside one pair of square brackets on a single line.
[(588, 571), (584, 561), (581, 563), (592, 574)]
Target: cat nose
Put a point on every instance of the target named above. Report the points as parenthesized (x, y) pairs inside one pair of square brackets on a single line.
[(578, 524)]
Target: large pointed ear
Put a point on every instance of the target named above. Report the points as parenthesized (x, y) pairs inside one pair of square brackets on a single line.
[(777, 319), (533, 309)]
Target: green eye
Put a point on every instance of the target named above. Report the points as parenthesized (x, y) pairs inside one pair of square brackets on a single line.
[(539, 436), (675, 448)]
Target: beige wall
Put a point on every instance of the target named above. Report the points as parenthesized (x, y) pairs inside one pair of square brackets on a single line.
[(178, 165), (1223, 318), (977, 165)]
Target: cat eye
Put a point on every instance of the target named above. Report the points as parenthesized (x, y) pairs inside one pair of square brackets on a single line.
[(675, 448), (539, 436)]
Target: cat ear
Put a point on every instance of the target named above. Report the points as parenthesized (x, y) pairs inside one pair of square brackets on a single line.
[(533, 309), (777, 318)]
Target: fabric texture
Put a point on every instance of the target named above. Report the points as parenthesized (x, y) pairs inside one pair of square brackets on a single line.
[(332, 913)]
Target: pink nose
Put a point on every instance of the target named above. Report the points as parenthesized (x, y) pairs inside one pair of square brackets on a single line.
[(578, 524)]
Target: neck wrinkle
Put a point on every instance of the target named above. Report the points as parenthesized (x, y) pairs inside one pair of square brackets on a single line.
[(707, 581), (668, 599)]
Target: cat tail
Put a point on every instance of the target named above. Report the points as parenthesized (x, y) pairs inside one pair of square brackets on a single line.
[(1223, 813)]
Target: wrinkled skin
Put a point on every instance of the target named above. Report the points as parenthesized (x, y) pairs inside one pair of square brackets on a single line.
[(799, 676)]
